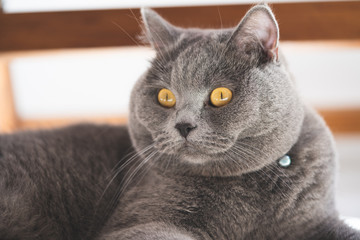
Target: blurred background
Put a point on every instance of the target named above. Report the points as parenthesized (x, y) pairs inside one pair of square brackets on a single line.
[(76, 60)]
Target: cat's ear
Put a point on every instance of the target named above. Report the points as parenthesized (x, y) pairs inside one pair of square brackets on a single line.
[(158, 31), (259, 26)]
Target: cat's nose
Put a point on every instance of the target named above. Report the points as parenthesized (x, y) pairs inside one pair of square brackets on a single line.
[(185, 128)]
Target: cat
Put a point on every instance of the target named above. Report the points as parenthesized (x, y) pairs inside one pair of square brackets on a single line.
[(219, 146), (235, 153)]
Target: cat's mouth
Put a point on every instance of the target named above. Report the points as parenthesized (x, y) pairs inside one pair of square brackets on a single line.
[(194, 151), (205, 145), (188, 147), (184, 147), (199, 148)]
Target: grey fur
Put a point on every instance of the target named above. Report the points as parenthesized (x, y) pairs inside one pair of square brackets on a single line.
[(51, 182), (228, 184), (221, 182)]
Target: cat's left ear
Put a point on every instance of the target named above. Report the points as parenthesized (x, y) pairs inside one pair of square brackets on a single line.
[(160, 33), (260, 26)]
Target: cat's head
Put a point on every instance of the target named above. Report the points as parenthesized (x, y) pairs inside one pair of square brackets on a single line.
[(215, 102)]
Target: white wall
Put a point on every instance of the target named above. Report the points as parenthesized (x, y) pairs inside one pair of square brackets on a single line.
[(93, 84), (15, 6), (76, 85)]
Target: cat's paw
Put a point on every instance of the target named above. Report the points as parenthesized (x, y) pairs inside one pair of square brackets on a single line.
[(150, 231)]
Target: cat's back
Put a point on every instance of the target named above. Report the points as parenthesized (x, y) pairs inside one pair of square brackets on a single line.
[(51, 181)]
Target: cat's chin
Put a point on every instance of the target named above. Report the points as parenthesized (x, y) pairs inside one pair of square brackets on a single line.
[(192, 149), (195, 154), (195, 158), (192, 152)]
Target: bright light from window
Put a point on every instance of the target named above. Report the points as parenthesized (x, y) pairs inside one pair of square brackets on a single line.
[(14, 6)]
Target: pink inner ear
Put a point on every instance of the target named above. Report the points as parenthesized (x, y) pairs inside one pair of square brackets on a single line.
[(270, 42), (263, 25), (265, 29)]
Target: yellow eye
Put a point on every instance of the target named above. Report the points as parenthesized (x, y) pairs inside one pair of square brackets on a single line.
[(220, 96), (166, 98)]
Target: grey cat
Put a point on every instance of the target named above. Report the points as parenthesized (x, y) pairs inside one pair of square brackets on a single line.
[(223, 148)]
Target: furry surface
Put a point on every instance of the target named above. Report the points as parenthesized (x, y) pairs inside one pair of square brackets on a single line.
[(52, 181)]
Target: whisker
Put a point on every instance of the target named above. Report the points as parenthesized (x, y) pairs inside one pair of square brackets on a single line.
[(121, 168), (123, 30), (221, 22), (147, 168), (129, 178), (268, 167), (120, 190), (264, 173), (136, 19)]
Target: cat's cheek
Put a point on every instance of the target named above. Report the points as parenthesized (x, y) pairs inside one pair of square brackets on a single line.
[(228, 121), (158, 120)]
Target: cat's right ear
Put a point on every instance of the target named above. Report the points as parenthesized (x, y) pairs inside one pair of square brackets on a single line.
[(259, 27), (160, 33)]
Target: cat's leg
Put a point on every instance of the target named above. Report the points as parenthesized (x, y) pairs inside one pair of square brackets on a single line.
[(150, 231)]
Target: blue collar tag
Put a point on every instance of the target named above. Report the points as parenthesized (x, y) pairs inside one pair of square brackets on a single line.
[(285, 161)]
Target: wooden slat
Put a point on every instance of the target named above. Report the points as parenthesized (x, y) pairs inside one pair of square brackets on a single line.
[(342, 120), (298, 21), (26, 124), (8, 118), (339, 121)]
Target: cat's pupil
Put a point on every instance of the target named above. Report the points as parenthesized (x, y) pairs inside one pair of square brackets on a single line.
[(221, 95)]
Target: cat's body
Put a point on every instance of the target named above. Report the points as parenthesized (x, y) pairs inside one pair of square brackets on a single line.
[(272, 203), (52, 181), (206, 165)]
